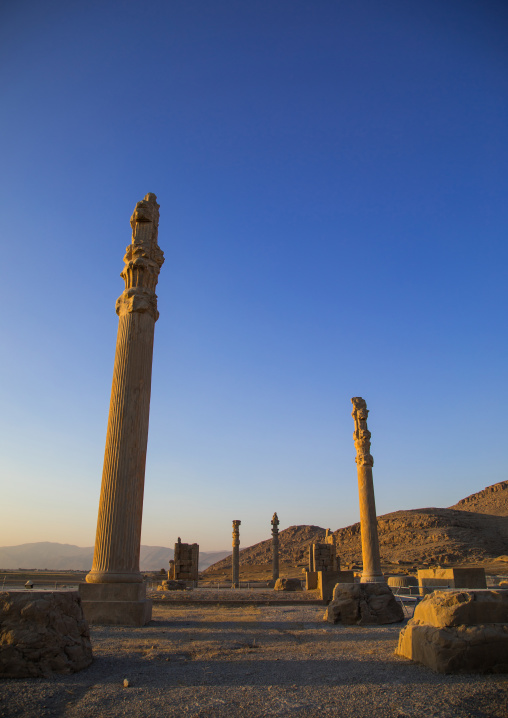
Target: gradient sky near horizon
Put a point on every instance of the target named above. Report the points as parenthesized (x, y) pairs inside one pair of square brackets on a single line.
[(333, 182)]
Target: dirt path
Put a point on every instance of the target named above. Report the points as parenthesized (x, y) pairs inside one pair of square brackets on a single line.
[(252, 661)]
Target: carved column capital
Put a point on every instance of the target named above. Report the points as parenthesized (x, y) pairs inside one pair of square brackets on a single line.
[(143, 260), (236, 533), (361, 433)]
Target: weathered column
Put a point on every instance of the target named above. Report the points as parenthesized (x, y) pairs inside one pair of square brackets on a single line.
[(275, 547), (118, 537), (235, 575), (368, 521)]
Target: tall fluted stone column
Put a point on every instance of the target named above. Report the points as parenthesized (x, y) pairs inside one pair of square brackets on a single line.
[(368, 521), (235, 574), (118, 537), (275, 547)]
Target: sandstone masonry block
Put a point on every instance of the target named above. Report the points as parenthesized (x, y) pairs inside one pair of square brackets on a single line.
[(464, 649), (431, 578), (327, 580), (462, 608)]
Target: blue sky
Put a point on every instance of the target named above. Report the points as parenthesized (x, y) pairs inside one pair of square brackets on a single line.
[(332, 179)]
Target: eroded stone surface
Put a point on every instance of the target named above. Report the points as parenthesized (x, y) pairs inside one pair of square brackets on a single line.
[(402, 581), (431, 578), (184, 566), (327, 580), (171, 585), (459, 632), (288, 584), (363, 604), (464, 649), (42, 632), (462, 608)]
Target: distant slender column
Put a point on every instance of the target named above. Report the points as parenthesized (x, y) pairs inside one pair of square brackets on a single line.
[(275, 547), (364, 462), (118, 538), (235, 578)]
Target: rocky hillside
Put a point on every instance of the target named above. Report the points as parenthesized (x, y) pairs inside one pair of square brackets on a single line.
[(492, 500), (293, 548), (431, 536), (455, 535)]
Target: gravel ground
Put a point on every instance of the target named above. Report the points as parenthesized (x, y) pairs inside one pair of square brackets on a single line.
[(229, 595), (207, 661)]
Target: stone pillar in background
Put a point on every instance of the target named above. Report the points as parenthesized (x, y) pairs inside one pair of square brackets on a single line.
[(235, 576), (368, 521), (118, 538), (275, 547)]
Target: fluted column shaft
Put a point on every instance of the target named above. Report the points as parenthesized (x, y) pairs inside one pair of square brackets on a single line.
[(368, 520), (235, 568), (118, 539), (370, 542)]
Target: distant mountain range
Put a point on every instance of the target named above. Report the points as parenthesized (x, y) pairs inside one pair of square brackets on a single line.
[(66, 557)]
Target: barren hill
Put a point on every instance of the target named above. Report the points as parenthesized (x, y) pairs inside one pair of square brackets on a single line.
[(492, 500), (475, 529), (293, 548), (431, 536)]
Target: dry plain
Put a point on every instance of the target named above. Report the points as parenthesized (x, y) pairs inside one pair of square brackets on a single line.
[(221, 661)]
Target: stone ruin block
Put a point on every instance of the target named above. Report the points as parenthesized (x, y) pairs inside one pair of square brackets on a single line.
[(116, 604), (311, 580), (184, 566), (327, 580), (288, 584), (459, 632), (432, 578), (172, 585), (363, 604), (323, 555), (41, 633)]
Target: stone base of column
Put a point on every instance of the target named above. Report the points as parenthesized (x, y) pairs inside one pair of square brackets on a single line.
[(374, 578), (115, 604)]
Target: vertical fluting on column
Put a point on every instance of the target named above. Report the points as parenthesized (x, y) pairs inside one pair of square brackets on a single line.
[(235, 570), (275, 547), (118, 537), (368, 521)]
